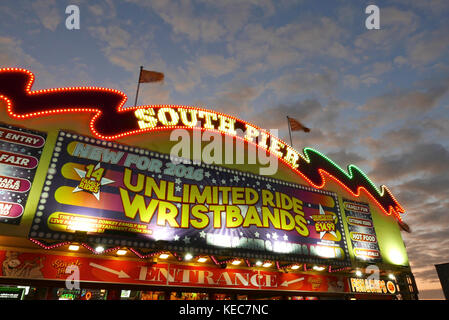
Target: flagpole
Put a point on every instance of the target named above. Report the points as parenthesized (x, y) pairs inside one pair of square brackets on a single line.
[(138, 86), (290, 132)]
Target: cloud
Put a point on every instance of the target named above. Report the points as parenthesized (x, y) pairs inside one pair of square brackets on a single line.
[(344, 158), (48, 13), (327, 134), (431, 294), (105, 9), (400, 61), (216, 21), (393, 17), (426, 158), (186, 21), (235, 98), (370, 76), (12, 54), (426, 47), (121, 47), (291, 43), (431, 7), (189, 76), (400, 103), (305, 82), (398, 139), (396, 26), (275, 117), (216, 65), (184, 79), (113, 35)]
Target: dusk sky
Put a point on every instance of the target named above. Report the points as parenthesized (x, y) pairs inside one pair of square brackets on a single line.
[(374, 98)]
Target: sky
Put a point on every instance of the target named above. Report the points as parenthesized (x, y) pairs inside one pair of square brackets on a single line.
[(374, 98)]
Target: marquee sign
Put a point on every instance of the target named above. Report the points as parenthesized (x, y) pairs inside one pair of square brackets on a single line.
[(131, 196), (361, 231), (359, 285), (107, 109)]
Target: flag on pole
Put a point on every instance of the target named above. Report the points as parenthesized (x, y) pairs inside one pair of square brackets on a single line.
[(147, 76), (295, 125), (150, 76)]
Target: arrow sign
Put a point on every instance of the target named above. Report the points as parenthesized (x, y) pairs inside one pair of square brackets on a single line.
[(120, 274), (287, 283)]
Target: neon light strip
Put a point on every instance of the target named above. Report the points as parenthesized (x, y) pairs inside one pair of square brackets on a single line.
[(216, 262), (177, 256), (145, 256), (48, 247), (313, 166)]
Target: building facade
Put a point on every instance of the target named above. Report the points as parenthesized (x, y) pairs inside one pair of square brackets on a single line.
[(172, 202)]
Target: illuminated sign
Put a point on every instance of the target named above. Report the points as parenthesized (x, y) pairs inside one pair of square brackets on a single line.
[(53, 267), (11, 293), (20, 150), (372, 286), (136, 197), (361, 231), (111, 121)]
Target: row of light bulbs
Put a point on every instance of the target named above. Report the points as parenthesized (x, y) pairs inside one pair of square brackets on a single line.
[(359, 273), (189, 257)]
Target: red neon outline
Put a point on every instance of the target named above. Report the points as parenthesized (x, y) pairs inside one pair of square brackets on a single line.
[(145, 256), (48, 247), (97, 113)]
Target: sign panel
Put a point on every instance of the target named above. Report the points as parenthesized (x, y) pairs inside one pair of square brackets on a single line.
[(128, 196), (60, 267), (380, 286), (20, 151), (11, 293), (361, 231)]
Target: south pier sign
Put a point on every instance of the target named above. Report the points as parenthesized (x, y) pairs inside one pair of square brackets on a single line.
[(110, 120)]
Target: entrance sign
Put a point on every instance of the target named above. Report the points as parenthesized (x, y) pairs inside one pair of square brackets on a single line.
[(53, 267)]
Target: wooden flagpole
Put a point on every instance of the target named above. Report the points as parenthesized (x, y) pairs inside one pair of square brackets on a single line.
[(138, 86), (290, 132)]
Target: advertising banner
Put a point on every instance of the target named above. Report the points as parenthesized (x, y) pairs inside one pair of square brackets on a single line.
[(361, 231), (379, 286), (62, 267), (20, 151), (127, 196)]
